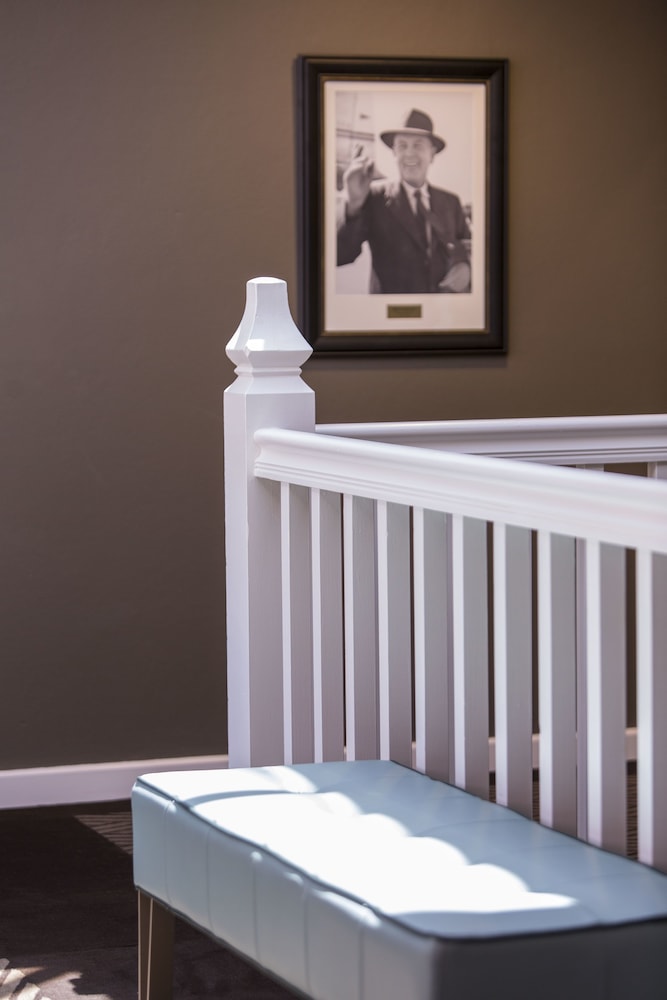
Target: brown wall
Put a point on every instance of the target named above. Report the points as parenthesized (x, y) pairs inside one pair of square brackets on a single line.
[(148, 172)]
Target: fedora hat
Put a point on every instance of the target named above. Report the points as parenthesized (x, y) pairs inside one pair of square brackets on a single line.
[(415, 123)]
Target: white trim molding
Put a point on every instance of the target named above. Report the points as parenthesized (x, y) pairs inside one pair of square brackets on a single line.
[(112, 781), (70, 784), (630, 748)]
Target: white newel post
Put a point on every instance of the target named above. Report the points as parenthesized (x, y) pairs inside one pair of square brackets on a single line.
[(268, 351)]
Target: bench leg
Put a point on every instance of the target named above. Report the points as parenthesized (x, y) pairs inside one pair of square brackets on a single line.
[(156, 950)]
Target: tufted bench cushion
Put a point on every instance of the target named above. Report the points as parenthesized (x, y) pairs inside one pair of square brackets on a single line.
[(368, 881)]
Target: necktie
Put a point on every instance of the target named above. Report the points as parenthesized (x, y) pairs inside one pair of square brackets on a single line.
[(421, 218)]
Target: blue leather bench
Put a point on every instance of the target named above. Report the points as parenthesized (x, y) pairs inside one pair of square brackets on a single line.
[(368, 881)]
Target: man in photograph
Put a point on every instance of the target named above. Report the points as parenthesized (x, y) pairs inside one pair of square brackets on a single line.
[(417, 234)]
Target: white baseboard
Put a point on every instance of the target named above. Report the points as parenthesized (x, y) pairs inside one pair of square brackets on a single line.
[(71, 784), (630, 748), (113, 780)]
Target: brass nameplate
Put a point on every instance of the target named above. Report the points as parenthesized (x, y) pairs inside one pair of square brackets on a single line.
[(404, 312)]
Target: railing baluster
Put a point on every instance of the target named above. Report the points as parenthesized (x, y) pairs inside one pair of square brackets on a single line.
[(471, 654), (652, 708), (513, 655), (582, 687), (286, 626), (394, 633), (433, 642), (327, 605), (359, 585), (556, 619), (605, 669), (297, 625)]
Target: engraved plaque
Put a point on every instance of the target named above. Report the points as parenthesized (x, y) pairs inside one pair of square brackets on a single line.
[(404, 312)]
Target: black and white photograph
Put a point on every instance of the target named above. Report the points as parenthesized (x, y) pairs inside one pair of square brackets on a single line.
[(398, 227), (402, 205)]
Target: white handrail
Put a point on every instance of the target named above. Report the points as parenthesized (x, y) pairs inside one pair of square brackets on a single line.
[(577, 503), (634, 438)]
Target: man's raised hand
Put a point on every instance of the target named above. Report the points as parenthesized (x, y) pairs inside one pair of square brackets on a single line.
[(357, 180)]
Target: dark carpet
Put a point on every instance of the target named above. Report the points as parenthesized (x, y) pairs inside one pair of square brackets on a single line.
[(68, 920)]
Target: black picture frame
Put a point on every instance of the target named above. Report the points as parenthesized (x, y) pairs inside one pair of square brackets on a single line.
[(342, 103)]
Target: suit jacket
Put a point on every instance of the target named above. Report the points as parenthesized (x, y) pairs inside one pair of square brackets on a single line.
[(401, 261)]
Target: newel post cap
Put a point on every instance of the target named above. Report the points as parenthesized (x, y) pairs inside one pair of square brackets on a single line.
[(267, 339)]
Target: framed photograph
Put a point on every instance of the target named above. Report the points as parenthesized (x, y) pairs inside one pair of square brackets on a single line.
[(402, 204)]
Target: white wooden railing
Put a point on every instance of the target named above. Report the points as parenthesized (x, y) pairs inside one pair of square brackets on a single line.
[(375, 591)]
